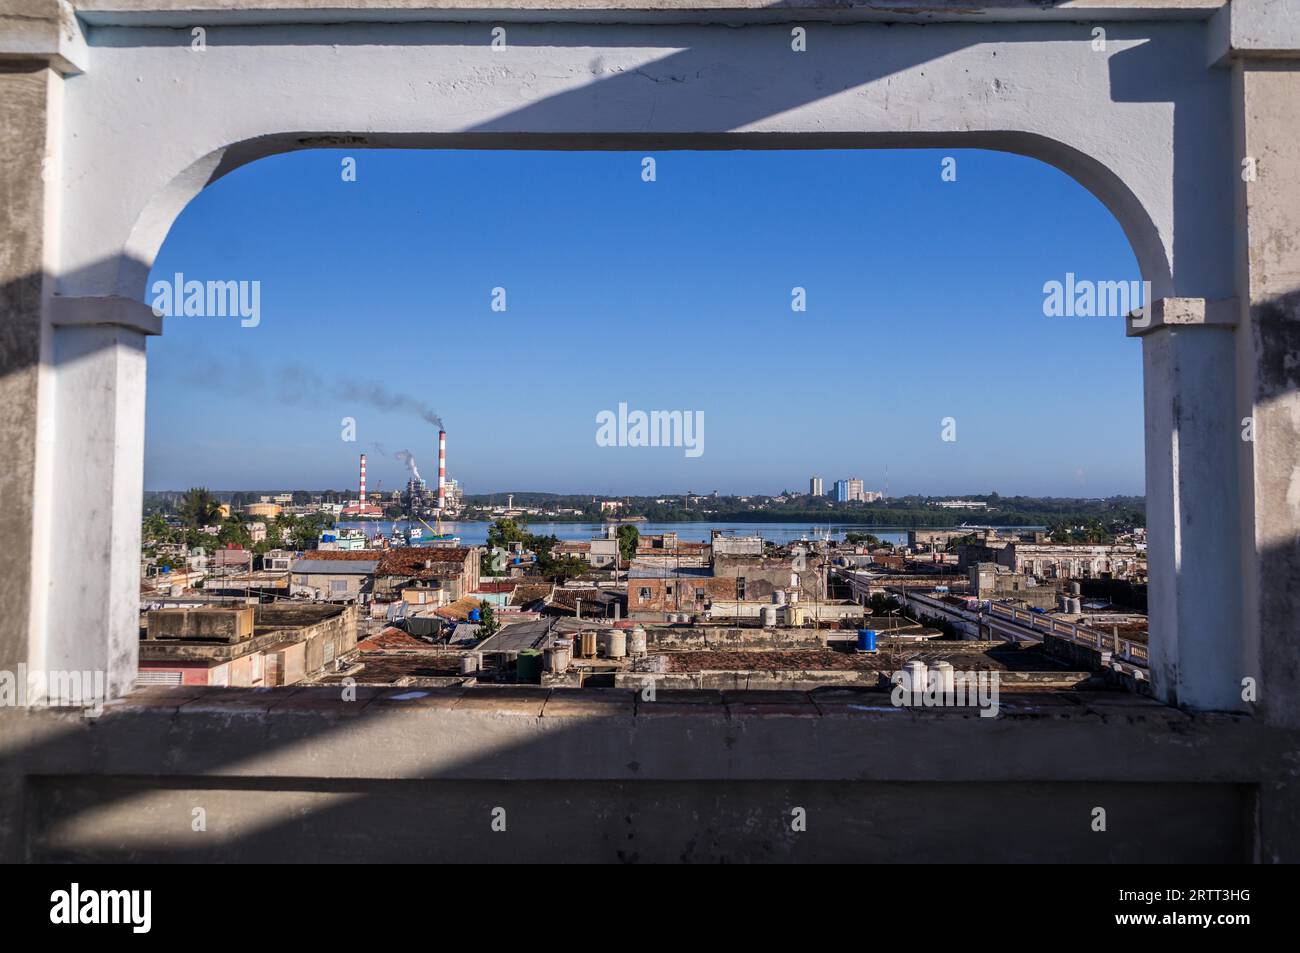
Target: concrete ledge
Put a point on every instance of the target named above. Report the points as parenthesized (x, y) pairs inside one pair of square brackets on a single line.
[(310, 774), (46, 30), (1255, 29), (1182, 312), (87, 819), (508, 732), (730, 12), (67, 311)]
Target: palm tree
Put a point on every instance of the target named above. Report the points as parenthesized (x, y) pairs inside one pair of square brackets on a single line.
[(156, 529), (198, 508)]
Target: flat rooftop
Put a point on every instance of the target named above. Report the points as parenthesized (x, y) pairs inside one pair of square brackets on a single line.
[(517, 637), (387, 668), (659, 571)]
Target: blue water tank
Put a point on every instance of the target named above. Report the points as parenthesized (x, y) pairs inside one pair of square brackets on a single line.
[(866, 640), (474, 615)]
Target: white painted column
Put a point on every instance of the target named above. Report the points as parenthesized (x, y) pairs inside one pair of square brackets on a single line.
[(1198, 655), (93, 497)]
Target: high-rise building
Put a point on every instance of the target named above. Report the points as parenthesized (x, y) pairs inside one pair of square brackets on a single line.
[(815, 487), (850, 491)]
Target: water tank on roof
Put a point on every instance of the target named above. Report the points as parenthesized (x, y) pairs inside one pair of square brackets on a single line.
[(767, 616), (528, 667), (475, 615), (946, 676), (637, 643), (557, 656), (617, 647), (914, 676), (866, 640)]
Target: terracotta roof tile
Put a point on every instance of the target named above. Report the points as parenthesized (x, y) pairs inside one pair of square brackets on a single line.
[(391, 638), (411, 561)]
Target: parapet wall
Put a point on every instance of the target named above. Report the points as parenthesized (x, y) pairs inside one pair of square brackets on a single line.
[(403, 775), (711, 637)]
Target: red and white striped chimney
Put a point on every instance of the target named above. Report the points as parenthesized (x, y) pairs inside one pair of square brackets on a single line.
[(442, 468), (362, 501)]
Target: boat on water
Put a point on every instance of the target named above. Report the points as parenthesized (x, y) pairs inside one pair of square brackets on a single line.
[(435, 537)]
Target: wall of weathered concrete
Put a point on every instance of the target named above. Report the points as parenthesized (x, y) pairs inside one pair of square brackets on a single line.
[(611, 776), (729, 638), (85, 820), (1268, 101), (27, 93)]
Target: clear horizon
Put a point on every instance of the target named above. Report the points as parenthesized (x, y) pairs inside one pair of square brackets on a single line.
[(561, 493)]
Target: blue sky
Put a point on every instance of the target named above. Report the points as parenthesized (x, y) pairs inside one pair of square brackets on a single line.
[(924, 301)]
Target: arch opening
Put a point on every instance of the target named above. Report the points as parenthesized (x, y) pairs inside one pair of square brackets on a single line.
[(652, 234)]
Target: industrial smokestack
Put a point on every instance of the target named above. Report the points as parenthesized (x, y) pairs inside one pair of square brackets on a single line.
[(362, 500), (442, 468)]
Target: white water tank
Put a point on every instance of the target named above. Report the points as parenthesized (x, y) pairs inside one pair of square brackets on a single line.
[(556, 658), (946, 676), (469, 663), (778, 597), (603, 641), (617, 646), (637, 643), (914, 676), (768, 616)]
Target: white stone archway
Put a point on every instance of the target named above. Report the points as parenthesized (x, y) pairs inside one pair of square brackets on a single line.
[(1184, 125)]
